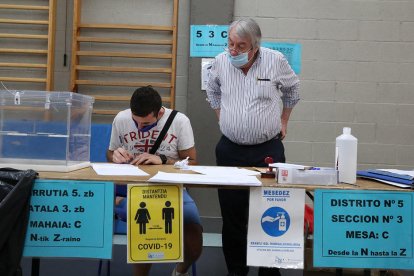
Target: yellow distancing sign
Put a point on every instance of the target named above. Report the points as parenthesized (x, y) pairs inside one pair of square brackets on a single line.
[(155, 223)]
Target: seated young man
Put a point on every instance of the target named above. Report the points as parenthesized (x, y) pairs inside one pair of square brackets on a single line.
[(133, 134)]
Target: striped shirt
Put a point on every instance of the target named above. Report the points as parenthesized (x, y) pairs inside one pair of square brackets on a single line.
[(250, 105)]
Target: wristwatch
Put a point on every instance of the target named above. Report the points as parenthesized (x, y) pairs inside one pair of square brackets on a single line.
[(163, 158)]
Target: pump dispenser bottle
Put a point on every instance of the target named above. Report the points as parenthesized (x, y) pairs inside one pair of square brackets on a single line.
[(346, 156)]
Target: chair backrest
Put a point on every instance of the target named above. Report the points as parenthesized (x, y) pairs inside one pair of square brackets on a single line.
[(100, 137)]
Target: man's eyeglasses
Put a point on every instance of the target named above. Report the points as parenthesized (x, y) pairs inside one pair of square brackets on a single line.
[(238, 51)]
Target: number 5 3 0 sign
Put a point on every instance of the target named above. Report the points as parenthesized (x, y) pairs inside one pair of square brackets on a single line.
[(208, 40)]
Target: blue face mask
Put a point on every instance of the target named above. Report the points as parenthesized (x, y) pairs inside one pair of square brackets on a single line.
[(146, 128), (240, 60)]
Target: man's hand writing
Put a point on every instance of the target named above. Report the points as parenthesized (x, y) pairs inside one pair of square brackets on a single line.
[(121, 156), (146, 159)]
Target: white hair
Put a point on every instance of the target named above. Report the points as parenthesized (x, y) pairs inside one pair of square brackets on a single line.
[(247, 28)]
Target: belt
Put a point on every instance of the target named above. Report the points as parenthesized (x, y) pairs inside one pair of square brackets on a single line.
[(277, 137)]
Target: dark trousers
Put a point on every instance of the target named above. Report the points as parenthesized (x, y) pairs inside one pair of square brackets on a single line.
[(234, 203)]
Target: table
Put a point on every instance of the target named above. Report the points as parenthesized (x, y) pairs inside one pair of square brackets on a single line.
[(90, 175)]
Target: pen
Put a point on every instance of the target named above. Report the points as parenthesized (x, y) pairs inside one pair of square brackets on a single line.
[(258, 79), (353, 184)]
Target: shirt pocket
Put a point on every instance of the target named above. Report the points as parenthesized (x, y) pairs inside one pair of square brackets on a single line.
[(266, 90)]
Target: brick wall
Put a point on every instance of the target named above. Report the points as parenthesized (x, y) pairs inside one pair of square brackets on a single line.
[(357, 71)]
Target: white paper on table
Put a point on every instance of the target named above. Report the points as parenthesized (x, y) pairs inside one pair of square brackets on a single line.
[(230, 171), (117, 169), (410, 173), (184, 178), (400, 185)]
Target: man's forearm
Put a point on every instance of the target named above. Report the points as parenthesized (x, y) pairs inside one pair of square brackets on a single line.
[(286, 115), (217, 113)]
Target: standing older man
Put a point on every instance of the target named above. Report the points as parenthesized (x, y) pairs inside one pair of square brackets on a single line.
[(247, 86)]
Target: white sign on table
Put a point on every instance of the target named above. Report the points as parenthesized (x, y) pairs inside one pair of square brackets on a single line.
[(275, 235)]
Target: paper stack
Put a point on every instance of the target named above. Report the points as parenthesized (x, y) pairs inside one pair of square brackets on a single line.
[(399, 178)]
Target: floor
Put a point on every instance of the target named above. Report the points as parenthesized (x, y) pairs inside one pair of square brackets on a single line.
[(211, 262)]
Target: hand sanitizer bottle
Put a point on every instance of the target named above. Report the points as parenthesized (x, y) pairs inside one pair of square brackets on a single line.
[(282, 223), (346, 156)]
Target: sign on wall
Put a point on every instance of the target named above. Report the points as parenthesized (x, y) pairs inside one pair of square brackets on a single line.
[(211, 40), (363, 229), (275, 236), (70, 219), (207, 40), (155, 223), (206, 64), (291, 51)]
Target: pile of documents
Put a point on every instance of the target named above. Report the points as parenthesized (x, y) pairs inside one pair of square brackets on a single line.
[(211, 175), (399, 178)]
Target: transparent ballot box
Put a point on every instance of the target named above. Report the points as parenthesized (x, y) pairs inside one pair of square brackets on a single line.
[(45, 131)]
